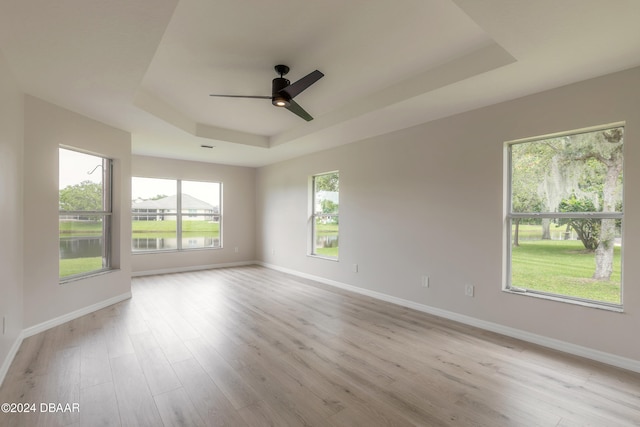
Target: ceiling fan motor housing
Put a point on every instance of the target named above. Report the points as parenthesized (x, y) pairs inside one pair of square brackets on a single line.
[(279, 99)]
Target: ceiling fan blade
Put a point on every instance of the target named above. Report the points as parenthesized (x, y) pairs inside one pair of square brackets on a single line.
[(296, 88), (296, 109), (242, 96)]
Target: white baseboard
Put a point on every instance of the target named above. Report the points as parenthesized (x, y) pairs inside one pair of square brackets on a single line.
[(586, 352), (191, 268), (9, 359), (41, 327)]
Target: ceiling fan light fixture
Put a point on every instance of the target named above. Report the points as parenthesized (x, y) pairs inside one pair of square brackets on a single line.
[(280, 101)]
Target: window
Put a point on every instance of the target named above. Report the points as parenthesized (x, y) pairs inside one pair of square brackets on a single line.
[(170, 214), (324, 221), (84, 214), (565, 216)]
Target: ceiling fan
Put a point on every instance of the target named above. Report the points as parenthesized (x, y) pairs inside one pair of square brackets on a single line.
[(283, 91)]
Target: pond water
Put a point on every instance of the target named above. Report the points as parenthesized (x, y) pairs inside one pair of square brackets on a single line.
[(327, 241), (87, 247), (169, 243), (80, 247)]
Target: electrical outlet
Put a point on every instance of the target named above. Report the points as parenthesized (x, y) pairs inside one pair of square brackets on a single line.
[(236, 250), (468, 290), (425, 281), (355, 268), (4, 325)]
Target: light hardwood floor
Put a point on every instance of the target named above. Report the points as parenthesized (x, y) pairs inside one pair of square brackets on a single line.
[(254, 347)]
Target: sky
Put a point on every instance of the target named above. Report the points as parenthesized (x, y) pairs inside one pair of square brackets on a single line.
[(76, 167), (146, 188)]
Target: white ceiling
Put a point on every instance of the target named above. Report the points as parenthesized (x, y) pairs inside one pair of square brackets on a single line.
[(148, 66)]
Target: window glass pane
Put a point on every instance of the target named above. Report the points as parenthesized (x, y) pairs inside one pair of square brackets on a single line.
[(551, 258), (201, 214), (200, 197), (153, 212), (326, 203), (81, 244), (83, 234), (326, 193), (326, 236), (200, 231), (573, 173), (577, 257), (80, 181)]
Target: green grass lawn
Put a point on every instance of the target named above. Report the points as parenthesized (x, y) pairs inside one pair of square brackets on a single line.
[(69, 267), (83, 228), (562, 267), (80, 228), (144, 229), (160, 229), (559, 267), (328, 252)]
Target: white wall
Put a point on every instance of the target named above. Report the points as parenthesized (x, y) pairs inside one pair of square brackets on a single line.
[(46, 127), (429, 201), (238, 214), (11, 136)]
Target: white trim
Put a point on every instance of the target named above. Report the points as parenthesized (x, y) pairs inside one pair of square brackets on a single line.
[(191, 268), (566, 300), (4, 369), (589, 353), (41, 327), (568, 132)]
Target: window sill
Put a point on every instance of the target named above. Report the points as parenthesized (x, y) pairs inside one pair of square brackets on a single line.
[(77, 277), (166, 251), (615, 309), (323, 257)]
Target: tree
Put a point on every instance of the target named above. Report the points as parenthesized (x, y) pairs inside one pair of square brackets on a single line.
[(529, 162), (327, 182), (587, 229), (598, 157), (86, 196)]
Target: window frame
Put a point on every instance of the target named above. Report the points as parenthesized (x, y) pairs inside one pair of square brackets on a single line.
[(314, 215), (510, 216), (106, 214), (179, 214)]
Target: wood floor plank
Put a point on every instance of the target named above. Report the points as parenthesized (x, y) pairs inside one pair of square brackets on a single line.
[(260, 414), (212, 405), (172, 345), (329, 384), (234, 387), (250, 346), (117, 339), (98, 406), (136, 406), (275, 383), (94, 362), (155, 366), (177, 410)]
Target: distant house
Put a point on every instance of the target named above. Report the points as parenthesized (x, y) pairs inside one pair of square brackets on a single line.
[(166, 208)]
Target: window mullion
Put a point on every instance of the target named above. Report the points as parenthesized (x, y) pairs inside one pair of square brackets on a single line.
[(179, 214), (597, 215)]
